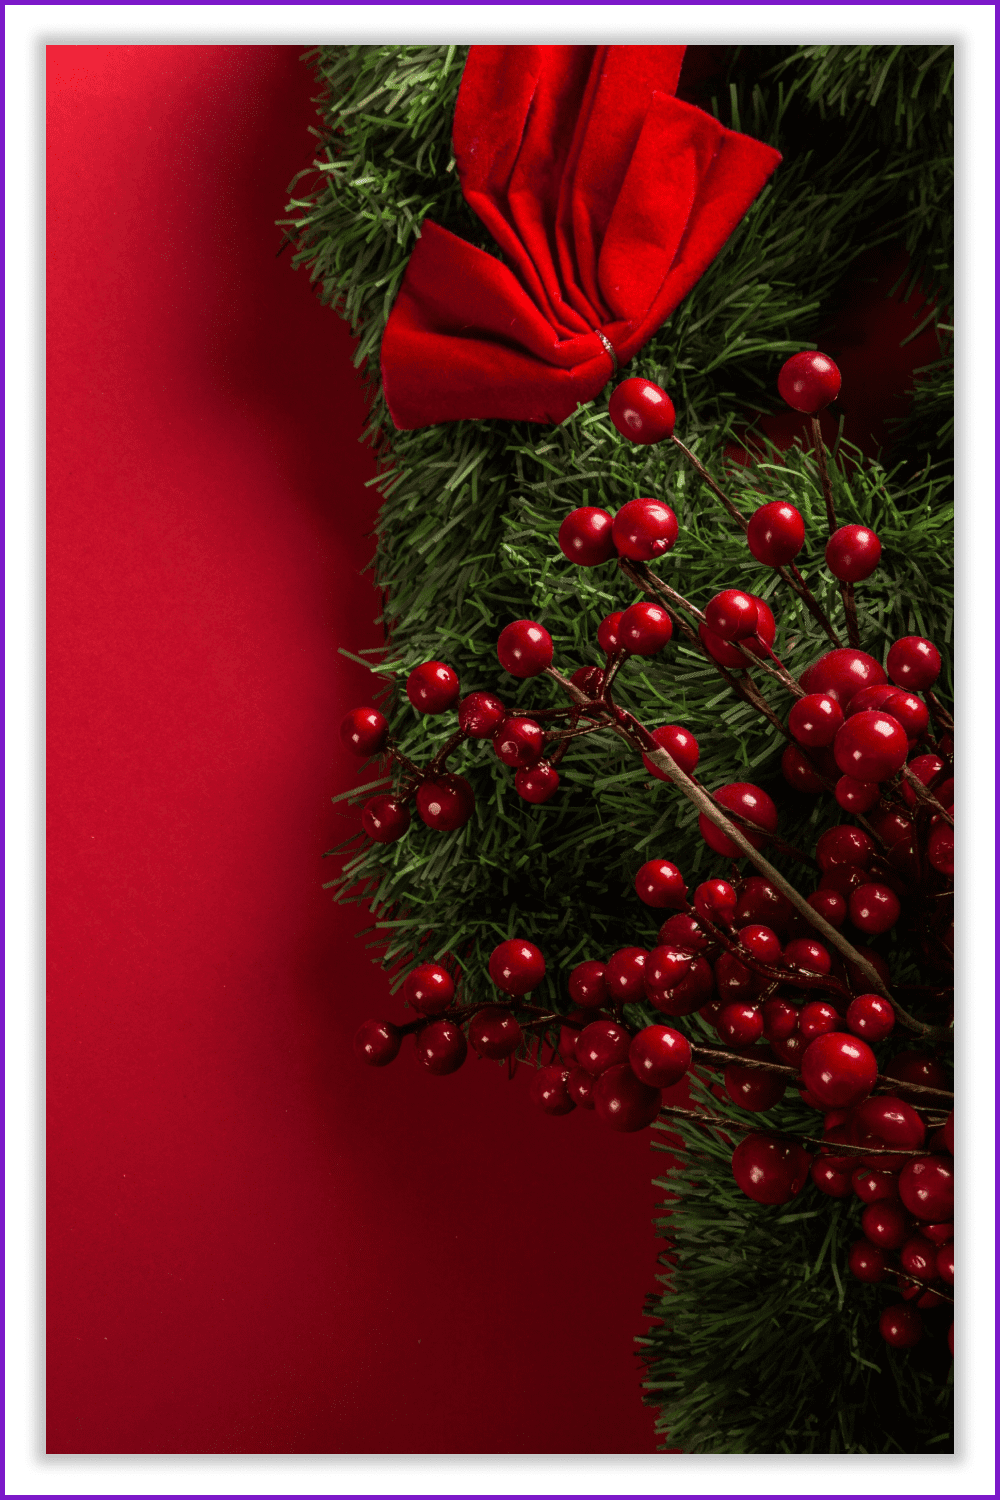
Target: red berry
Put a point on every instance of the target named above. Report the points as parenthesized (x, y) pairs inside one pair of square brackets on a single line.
[(537, 783), (586, 985), (944, 1263), (666, 966), (900, 1325), (732, 615), (659, 1056), (806, 953), (623, 974), (842, 673), (644, 629), (519, 742), (829, 1181), (753, 1089), (911, 1066), (659, 883), (524, 648), (641, 411), (715, 900), (760, 901), (384, 819), (585, 536), (839, 1070), (816, 1019), (680, 744), (870, 697), (589, 680), (516, 966), (887, 1121), (751, 803), (800, 772), (844, 845), (815, 719), (377, 1043), (941, 849), (927, 1188), (776, 533), (433, 687), (926, 769), (580, 1088), (429, 989), (364, 731), (480, 715), (688, 993), (549, 1091), (886, 1224), (494, 1032), (866, 1261), (852, 553), (874, 1187), (874, 908), (871, 1017), (856, 796), (441, 1047), (729, 655), (623, 1102), (913, 663), (607, 632), (919, 1257), (682, 931), (769, 1170), (735, 983), (445, 803), (790, 1048), (909, 710), (644, 530), (740, 1025), (780, 1020), (870, 746), (761, 942), (941, 1234), (830, 905), (809, 381)]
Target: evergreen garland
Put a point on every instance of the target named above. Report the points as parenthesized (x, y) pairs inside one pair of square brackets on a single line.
[(758, 1348)]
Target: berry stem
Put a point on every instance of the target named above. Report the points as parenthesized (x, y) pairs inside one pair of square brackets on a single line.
[(937, 708), (706, 476), (810, 601), (846, 589), (926, 797), (438, 763)]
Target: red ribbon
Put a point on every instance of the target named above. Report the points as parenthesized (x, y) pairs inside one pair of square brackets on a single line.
[(608, 198)]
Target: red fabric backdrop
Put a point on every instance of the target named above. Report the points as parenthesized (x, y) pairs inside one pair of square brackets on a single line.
[(255, 1244)]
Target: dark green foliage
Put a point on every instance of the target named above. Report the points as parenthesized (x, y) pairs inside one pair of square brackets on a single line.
[(466, 542)]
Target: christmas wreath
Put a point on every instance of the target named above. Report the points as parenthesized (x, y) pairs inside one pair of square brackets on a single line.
[(667, 671)]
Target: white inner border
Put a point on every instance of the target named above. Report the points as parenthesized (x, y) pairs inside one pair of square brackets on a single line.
[(28, 29)]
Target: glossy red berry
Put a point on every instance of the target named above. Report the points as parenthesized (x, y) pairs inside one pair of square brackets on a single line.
[(589, 680), (377, 1043), (944, 1263), (740, 1025), (901, 1325), (806, 953), (585, 536), (780, 1020), (734, 982), (729, 654), (871, 1017), (441, 1047), (600, 1045), (829, 1180), (433, 687), (364, 731), (607, 632), (911, 1066), (886, 1224), (384, 819), (732, 615), (852, 553), (887, 1121), (580, 1088), (759, 901), (549, 1090), (844, 845), (842, 673), (537, 783), (644, 629), (659, 883), (829, 905), (641, 411), (874, 908), (623, 974), (941, 1234), (809, 381), (908, 710), (816, 1019), (770, 1170), (516, 966), (644, 530), (913, 663), (926, 769), (445, 803), (480, 715), (856, 796), (867, 1261), (776, 533), (429, 988), (716, 901), (873, 1186), (659, 1056), (753, 1089), (750, 802), (524, 648), (586, 985), (790, 1049), (800, 772), (761, 942), (665, 967), (688, 992), (870, 697), (941, 849), (839, 1070), (682, 931), (815, 719), (927, 1187), (623, 1102), (519, 742), (494, 1032), (919, 1257), (870, 746), (680, 744)]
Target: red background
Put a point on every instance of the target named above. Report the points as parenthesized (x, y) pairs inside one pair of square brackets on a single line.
[(254, 1244)]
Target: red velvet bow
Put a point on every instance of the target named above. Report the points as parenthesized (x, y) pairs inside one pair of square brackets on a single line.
[(608, 198)]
